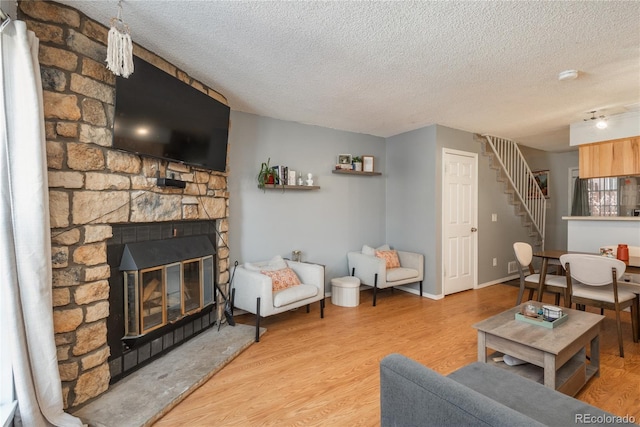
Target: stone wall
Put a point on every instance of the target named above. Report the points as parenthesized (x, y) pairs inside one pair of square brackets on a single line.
[(92, 186)]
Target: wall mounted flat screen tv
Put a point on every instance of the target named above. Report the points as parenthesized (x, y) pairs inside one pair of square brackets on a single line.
[(158, 115)]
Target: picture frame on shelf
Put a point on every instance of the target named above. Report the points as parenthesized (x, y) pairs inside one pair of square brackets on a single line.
[(367, 163), (344, 159)]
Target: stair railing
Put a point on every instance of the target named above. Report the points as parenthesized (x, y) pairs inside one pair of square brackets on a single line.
[(526, 188)]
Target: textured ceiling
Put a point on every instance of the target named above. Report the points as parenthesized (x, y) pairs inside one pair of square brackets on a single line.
[(383, 68)]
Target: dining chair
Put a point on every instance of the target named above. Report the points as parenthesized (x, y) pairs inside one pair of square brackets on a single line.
[(529, 279), (593, 280)]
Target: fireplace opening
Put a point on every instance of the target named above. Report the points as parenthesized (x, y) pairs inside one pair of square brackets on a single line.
[(162, 290)]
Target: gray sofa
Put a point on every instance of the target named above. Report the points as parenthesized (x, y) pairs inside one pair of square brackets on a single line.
[(478, 394)]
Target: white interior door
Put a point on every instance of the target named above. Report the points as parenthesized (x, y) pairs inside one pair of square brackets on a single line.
[(459, 218)]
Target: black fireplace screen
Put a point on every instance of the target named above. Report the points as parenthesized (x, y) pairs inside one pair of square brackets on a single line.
[(162, 294)]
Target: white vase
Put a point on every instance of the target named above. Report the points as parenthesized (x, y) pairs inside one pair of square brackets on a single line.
[(357, 166)]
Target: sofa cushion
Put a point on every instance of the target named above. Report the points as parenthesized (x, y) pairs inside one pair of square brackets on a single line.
[(293, 294), (603, 293), (528, 397), (390, 258), (368, 250), (282, 279), (401, 273), (275, 263)]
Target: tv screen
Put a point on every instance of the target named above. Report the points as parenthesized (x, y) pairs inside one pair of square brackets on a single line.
[(158, 115)]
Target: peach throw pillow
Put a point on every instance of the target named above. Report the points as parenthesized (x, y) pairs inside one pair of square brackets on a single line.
[(282, 279), (390, 257)]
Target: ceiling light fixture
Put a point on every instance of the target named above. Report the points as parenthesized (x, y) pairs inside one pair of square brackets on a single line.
[(601, 120), (601, 124), (568, 75)]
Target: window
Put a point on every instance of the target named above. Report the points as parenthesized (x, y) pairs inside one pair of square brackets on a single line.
[(603, 196)]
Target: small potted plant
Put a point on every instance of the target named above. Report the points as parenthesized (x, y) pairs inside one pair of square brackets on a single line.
[(356, 161), (267, 175)]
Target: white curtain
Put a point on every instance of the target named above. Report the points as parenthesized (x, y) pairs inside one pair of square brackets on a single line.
[(25, 247)]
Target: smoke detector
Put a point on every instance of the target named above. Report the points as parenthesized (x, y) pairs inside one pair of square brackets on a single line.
[(568, 75)]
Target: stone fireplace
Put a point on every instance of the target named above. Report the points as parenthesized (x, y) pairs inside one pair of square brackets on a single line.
[(96, 193)]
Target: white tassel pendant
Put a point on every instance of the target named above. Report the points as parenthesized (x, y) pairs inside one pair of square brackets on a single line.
[(119, 47)]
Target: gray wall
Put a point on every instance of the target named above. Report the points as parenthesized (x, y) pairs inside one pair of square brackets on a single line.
[(414, 195), (411, 199), (401, 207), (558, 165), (345, 213)]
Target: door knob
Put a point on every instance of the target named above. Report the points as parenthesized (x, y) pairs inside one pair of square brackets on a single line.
[(473, 229)]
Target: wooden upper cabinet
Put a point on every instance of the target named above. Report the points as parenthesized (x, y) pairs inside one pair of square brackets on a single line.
[(618, 157)]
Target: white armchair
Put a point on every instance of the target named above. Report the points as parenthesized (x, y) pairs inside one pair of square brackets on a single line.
[(372, 271), (253, 291)]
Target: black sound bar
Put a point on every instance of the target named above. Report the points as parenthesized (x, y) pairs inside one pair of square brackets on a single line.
[(168, 182)]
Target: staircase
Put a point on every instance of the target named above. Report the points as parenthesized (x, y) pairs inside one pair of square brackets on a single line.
[(523, 189)]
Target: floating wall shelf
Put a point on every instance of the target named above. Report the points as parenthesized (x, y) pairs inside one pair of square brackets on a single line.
[(290, 187), (352, 172)]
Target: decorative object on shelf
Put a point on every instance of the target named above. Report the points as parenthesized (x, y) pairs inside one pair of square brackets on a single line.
[(300, 180), (309, 179), (296, 255), (357, 163), (367, 163), (623, 252), (119, 47), (291, 177), (344, 161), (282, 174), (607, 252), (267, 175)]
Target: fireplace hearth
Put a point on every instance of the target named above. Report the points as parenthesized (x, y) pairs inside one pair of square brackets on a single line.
[(162, 290)]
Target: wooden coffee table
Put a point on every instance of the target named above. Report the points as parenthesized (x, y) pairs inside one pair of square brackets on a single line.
[(557, 356)]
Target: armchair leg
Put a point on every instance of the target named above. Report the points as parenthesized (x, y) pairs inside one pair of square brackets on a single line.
[(258, 319), (322, 308), (375, 288), (420, 288), (353, 271), (308, 308)]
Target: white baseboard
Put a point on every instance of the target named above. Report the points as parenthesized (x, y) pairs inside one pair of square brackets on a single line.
[(417, 292), (495, 282)]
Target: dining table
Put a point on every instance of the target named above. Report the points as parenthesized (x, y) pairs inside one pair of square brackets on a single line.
[(547, 255)]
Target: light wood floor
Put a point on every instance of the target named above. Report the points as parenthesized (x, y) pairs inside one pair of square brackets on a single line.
[(325, 372)]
